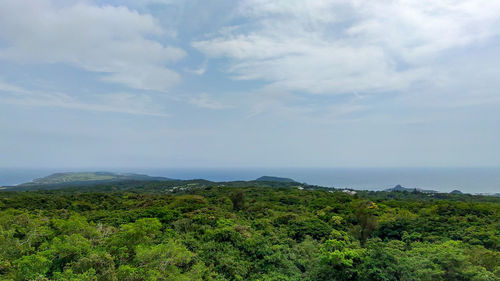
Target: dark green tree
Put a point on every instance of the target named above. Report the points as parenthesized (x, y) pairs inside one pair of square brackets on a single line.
[(238, 199)]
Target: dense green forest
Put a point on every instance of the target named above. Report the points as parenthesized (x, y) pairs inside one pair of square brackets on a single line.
[(199, 230)]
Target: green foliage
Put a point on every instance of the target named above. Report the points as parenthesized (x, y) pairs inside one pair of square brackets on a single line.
[(187, 203), (238, 199), (168, 261), (365, 214), (69, 275), (245, 231), (31, 267)]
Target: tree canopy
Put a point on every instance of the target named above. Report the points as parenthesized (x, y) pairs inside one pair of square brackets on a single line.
[(253, 231)]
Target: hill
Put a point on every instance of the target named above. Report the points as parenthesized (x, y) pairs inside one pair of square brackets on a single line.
[(404, 189), (275, 179), (85, 178)]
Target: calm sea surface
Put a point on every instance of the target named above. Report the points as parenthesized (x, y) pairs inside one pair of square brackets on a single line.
[(471, 180)]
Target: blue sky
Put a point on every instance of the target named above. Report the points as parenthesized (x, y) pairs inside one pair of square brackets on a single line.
[(249, 83)]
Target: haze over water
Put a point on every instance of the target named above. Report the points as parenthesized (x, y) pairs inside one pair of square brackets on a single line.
[(469, 180)]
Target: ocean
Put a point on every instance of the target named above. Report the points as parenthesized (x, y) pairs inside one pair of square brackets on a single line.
[(469, 180)]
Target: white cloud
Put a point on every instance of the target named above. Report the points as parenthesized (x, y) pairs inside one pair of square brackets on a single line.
[(7, 87), (344, 46), (136, 104), (114, 41), (206, 101), (200, 70)]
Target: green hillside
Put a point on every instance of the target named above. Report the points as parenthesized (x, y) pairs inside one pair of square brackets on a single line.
[(275, 179), (73, 177), (59, 180)]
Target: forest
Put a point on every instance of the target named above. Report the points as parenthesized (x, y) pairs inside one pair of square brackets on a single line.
[(200, 230)]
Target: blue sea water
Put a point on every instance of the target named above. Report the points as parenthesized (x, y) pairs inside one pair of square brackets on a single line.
[(470, 180)]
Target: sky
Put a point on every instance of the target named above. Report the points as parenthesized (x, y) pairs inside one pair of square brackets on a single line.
[(251, 83)]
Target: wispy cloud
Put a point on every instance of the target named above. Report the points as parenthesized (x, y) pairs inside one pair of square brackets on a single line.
[(127, 103), (206, 101), (7, 87), (200, 70)]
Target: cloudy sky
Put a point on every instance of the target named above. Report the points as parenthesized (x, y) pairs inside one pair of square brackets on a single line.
[(258, 83)]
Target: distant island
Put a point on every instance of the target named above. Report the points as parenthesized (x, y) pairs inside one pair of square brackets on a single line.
[(275, 179), (401, 188), (103, 177), (86, 180), (90, 177)]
